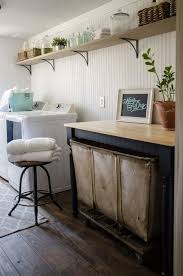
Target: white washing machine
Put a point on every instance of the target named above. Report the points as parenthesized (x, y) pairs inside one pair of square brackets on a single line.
[(46, 123), (6, 135)]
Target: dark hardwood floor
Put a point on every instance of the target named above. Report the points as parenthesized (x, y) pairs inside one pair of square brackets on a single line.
[(65, 246)]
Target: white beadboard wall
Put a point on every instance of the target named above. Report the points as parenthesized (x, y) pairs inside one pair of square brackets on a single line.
[(109, 69), (10, 74)]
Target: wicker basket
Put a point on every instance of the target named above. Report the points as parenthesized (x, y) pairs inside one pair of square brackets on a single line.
[(22, 56), (173, 7), (155, 13), (33, 52)]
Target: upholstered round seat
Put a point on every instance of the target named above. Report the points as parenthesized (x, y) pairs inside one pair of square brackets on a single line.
[(27, 164)]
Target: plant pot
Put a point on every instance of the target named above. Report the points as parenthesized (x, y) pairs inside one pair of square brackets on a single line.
[(58, 47), (166, 112)]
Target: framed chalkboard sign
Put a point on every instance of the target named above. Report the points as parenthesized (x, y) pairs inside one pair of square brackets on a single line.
[(135, 105)]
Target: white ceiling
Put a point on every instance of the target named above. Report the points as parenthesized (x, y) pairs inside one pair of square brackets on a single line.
[(24, 18)]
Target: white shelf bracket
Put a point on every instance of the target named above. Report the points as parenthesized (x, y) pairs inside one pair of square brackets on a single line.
[(134, 45)]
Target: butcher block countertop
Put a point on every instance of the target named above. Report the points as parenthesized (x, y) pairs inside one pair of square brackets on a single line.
[(141, 132)]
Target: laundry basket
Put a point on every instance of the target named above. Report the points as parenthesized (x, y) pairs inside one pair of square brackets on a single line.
[(153, 14), (21, 101), (125, 188)]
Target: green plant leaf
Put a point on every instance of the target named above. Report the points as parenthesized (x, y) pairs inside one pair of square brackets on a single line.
[(168, 68), (152, 70), (163, 82), (148, 51), (145, 56)]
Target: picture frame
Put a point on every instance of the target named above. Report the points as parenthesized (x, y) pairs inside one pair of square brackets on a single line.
[(135, 105)]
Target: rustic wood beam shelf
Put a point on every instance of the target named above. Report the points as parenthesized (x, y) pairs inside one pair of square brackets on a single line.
[(157, 28)]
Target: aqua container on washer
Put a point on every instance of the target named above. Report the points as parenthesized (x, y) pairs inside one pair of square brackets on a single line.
[(21, 101)]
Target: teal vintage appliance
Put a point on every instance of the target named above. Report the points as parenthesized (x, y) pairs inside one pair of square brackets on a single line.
[(21, 100)]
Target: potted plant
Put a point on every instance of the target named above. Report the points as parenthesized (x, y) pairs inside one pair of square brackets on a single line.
[(59, 43), (166, 87)]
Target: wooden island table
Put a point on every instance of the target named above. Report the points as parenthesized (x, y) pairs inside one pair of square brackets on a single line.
[(143, 140)]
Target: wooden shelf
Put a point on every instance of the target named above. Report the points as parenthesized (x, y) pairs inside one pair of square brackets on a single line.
[(157, 28)]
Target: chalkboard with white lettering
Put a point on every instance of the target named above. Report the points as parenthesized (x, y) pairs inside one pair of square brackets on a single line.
[(134, 105)]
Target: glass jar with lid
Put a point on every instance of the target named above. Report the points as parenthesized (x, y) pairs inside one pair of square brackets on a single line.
[(25, 46), (87, 35), (79, 39), (73, 40), (37, 44), (120, 22), (46, 46)]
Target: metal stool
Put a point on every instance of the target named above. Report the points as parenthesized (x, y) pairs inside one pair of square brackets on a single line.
[(26, 165)]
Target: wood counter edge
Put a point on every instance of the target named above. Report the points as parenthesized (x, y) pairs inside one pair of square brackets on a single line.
[(153, 133)]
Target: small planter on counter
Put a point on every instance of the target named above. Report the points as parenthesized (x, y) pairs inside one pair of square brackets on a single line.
[(166, 88), (166, 112)]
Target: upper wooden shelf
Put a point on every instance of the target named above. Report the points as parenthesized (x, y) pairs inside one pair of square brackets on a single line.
[(157, 28)]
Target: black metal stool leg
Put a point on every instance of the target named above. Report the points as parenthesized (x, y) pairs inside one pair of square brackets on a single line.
[(50, 189), (35, 195), (20, 191)]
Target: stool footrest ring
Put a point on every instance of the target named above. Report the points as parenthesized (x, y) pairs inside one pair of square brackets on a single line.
[(35, 192)]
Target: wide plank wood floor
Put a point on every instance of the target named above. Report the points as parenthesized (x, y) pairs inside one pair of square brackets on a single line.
[(65, 246)]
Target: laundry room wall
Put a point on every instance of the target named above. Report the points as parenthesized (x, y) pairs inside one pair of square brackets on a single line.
[(10, 74), (109, 69)]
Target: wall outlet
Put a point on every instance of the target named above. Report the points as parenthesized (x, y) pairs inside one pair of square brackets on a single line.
[(102, 102)]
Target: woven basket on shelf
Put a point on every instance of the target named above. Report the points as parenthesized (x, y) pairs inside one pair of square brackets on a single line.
[(153, 14), (22, 56), (33, 52), (173, 7)]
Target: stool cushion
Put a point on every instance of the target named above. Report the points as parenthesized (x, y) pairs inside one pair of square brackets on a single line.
[(27, 164)]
